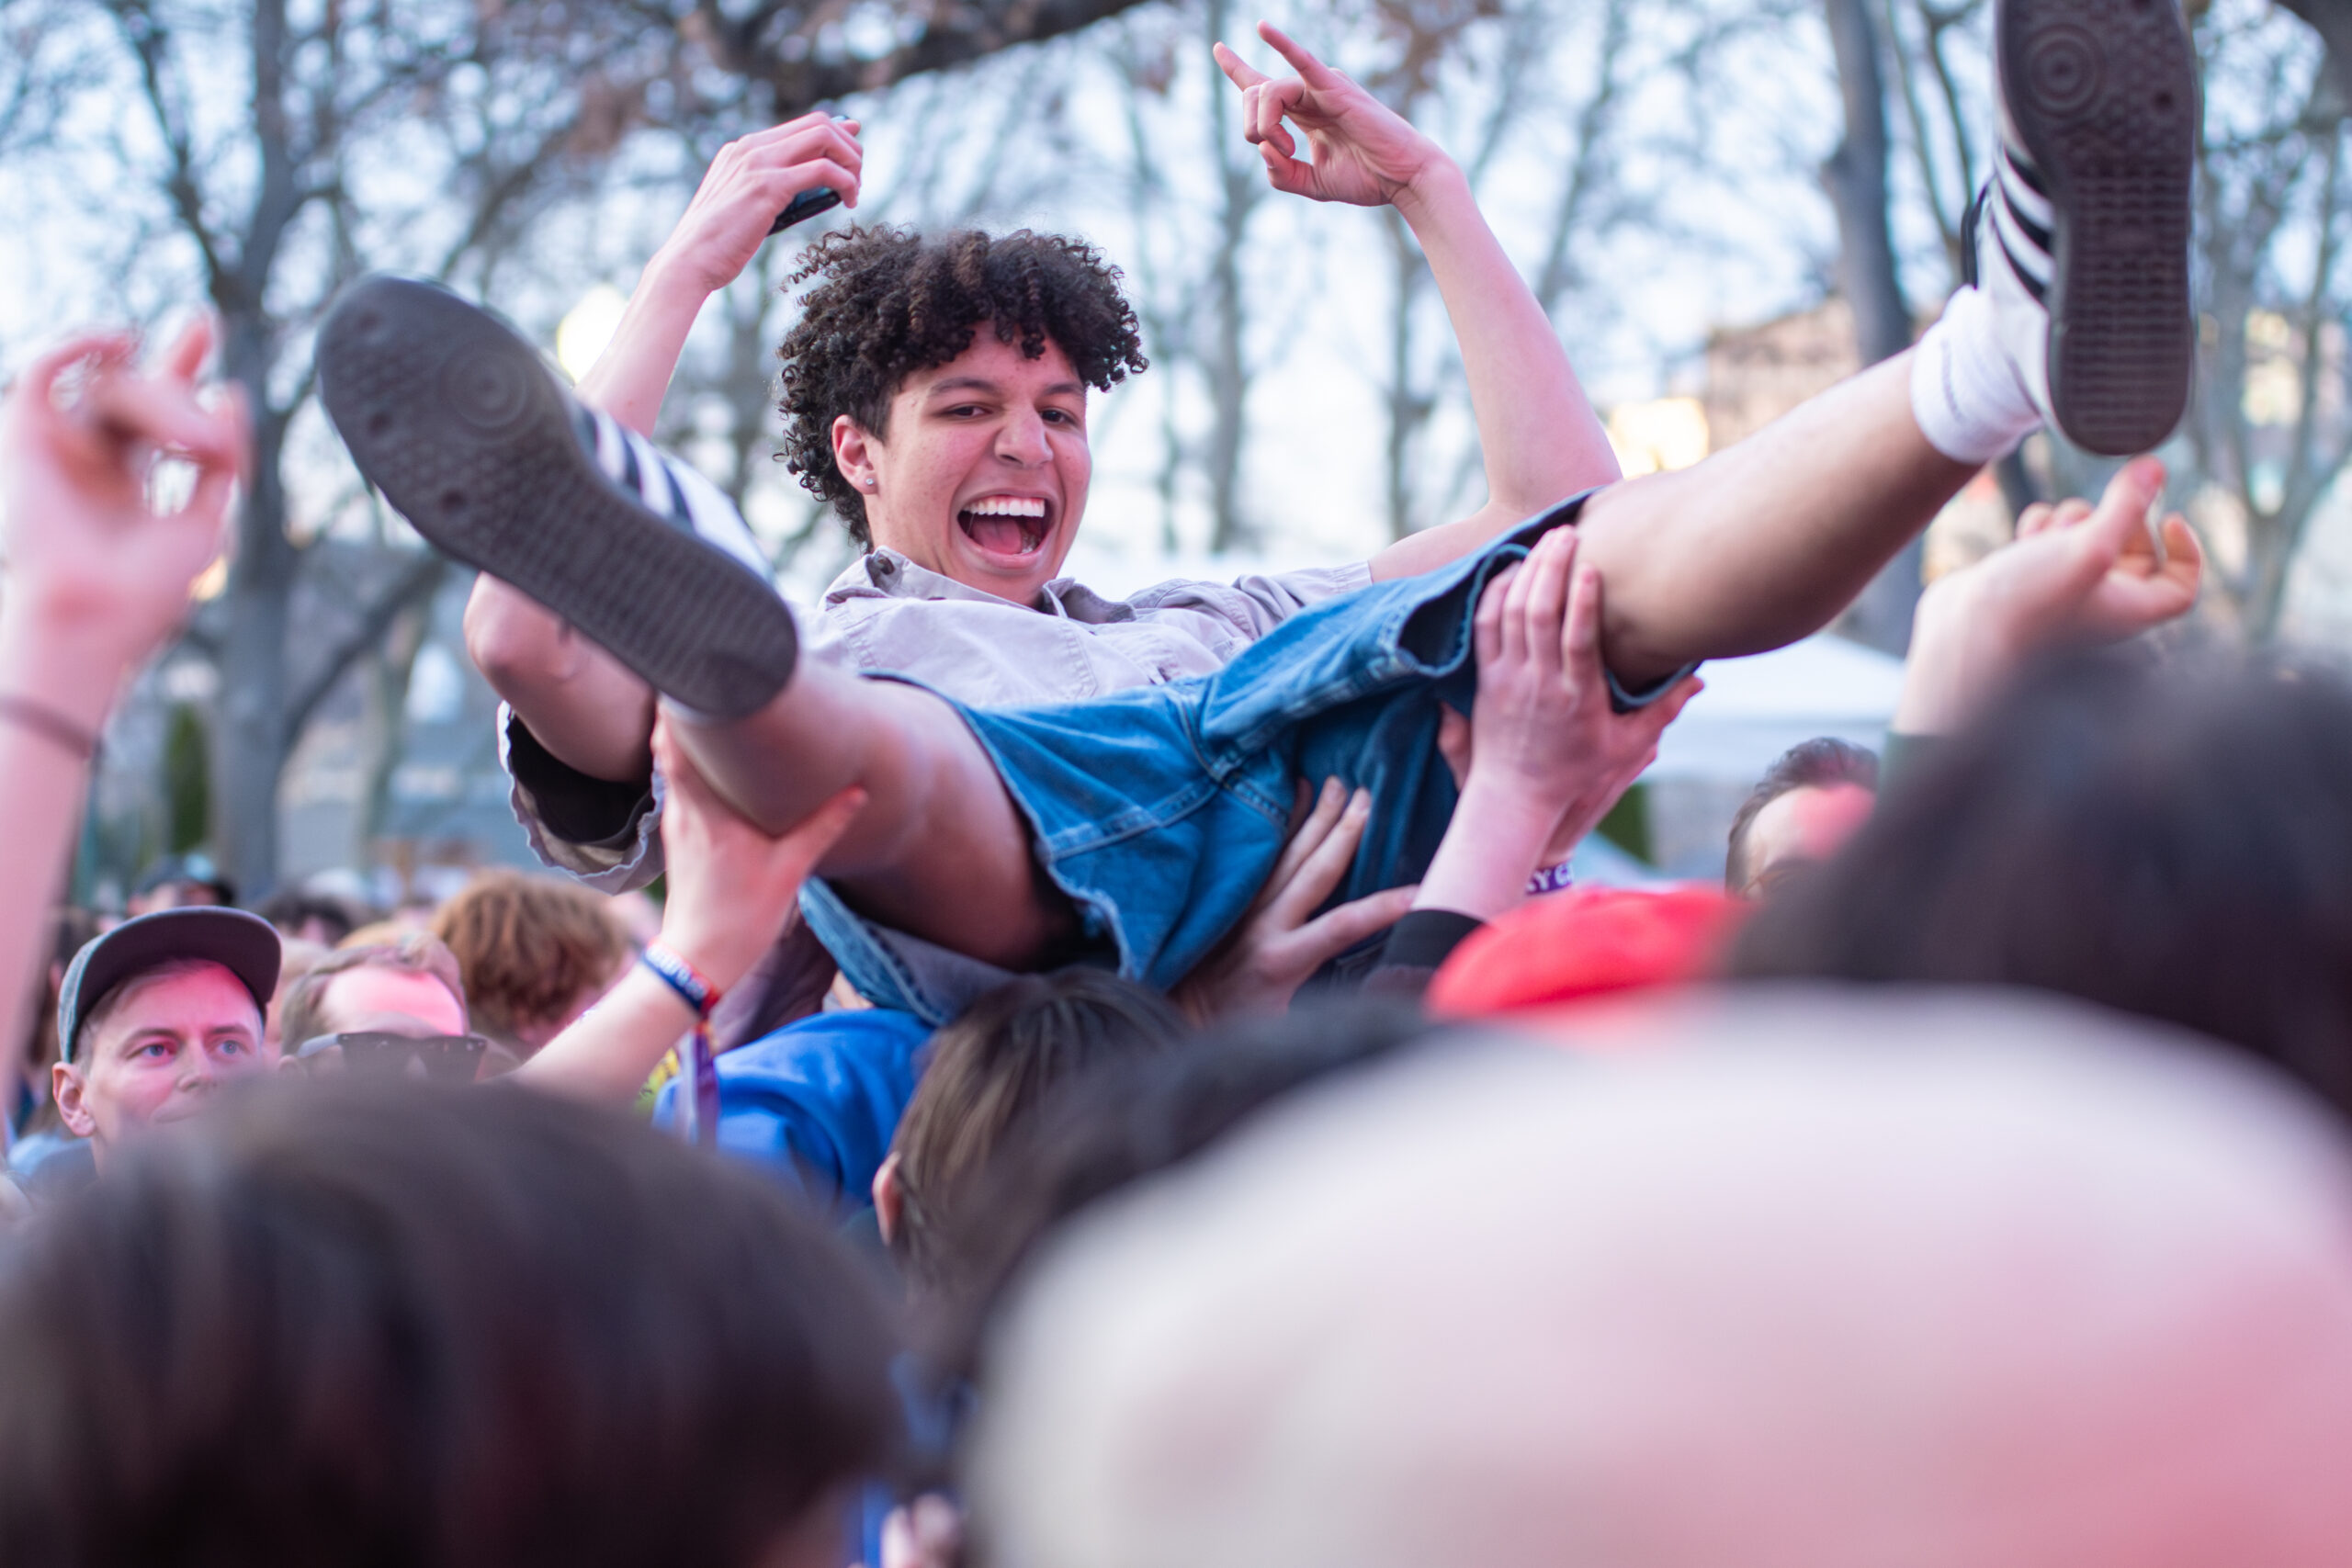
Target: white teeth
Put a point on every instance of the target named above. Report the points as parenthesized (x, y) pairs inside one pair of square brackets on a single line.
[(1008, 506)]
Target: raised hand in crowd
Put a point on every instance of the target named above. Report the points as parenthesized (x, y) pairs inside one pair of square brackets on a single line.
[(731, 890), (1364, 152), (1538, 435), (750, 181), (1281, 940), (1545, 755), (97, 575), (2076, 574)]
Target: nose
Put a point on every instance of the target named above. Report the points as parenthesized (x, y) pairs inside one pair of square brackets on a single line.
[(1021, 439)]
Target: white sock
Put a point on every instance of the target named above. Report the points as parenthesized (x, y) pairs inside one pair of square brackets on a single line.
[(1970, 402)]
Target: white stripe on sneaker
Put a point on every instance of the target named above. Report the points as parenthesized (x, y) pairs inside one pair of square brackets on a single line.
[(653, 485), (2027, 256), (2030, 203)]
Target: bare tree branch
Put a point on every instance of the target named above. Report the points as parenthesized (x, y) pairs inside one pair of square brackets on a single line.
[(415, 585)]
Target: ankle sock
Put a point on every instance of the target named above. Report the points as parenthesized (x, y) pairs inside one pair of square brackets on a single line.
[(1970, 403)]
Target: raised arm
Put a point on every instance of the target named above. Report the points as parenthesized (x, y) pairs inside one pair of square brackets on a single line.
[(96, 579), (749, 183), (1537, 432), (732, 890)]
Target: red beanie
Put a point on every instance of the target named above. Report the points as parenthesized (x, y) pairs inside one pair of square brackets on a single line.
[(1583, 942)]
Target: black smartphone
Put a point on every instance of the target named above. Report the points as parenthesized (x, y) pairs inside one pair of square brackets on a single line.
[(807, 204)]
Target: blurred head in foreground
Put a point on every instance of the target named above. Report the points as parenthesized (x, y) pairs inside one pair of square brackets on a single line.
[(992, 1069), (404, 1324), (2174, 839), (1841, 1282)]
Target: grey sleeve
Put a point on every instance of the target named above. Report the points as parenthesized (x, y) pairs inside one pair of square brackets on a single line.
[(607, 835)]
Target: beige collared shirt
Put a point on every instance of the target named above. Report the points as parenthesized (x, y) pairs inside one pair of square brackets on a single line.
[(887, 614)]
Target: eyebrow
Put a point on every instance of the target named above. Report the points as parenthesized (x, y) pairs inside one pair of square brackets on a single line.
[(981, 383)]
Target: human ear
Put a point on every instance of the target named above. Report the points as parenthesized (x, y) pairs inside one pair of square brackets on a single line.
[(854, 454), (887, 1198), (65, 1087)]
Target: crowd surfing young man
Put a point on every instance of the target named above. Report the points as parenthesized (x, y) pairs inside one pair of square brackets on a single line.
[(1137, 825)]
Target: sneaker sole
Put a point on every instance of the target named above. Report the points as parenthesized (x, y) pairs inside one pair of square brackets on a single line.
[(2103, 93), (466, 431)]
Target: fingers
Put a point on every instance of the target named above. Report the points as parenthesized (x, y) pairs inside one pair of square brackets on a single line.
[(1454, 743), (183, 361), (37, 388), (1305, 891), (1311, 71), (811, 838), (1657, 715), (1238, 71), (1330, 804), (1328, 935), (1263, 107), (167, 416), (1580, 633), (1533, 608), (1487, 626), (2183, 554), (1547, 599), (2034, 519)]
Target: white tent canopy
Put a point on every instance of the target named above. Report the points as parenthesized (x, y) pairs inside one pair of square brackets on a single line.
[(1755, 708)]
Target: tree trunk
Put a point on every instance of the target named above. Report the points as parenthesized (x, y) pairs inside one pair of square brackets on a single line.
[(249, 739), (1855, 178), (1226, 363)]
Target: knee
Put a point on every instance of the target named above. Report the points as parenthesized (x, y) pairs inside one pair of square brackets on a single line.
[(517, 644)]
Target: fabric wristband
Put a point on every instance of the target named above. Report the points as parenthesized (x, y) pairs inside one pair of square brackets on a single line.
[(1551, 879), (693, 987)]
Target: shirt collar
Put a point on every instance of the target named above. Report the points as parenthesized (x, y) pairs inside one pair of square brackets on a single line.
[(886, 574)]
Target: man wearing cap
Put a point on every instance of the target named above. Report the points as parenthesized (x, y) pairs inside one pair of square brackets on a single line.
[(155, 1015)]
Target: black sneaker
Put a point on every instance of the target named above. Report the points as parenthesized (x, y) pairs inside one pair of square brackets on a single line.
[(2081, 237), (474, 440)]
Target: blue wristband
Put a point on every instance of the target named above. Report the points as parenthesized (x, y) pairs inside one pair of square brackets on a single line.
[(682, 978)]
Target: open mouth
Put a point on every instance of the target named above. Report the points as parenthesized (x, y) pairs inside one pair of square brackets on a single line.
[(1005, 524)]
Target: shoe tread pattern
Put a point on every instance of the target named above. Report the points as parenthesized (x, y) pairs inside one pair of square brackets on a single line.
[(461, 427), (2103, 93)]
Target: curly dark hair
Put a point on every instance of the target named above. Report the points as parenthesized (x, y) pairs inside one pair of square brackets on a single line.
[(891, 302)]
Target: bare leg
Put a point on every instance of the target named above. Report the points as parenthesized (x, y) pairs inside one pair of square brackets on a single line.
[(578, 700), (939, 851), (1768, 539)]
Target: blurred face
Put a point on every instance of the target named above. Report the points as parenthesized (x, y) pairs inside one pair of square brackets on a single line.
[(163, 1044), (370, 991), (1800, 828), (983, 478)]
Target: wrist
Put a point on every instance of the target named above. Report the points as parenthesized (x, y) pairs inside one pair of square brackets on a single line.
[(1432, 191), (71, 662), (1508, 807)]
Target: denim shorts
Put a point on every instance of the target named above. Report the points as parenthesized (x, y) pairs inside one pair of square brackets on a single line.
[(1160, 810)]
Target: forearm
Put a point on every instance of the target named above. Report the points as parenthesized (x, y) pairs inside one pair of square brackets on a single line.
[(630, 377), (609, 1051), (42, 784), (1537, 431), (1489, 848), (1768, 540)]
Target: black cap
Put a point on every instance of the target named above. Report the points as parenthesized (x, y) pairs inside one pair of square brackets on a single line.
[(245, 945), (196, 867)]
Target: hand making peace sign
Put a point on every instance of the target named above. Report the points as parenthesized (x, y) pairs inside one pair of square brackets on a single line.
[(1364, 152)]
